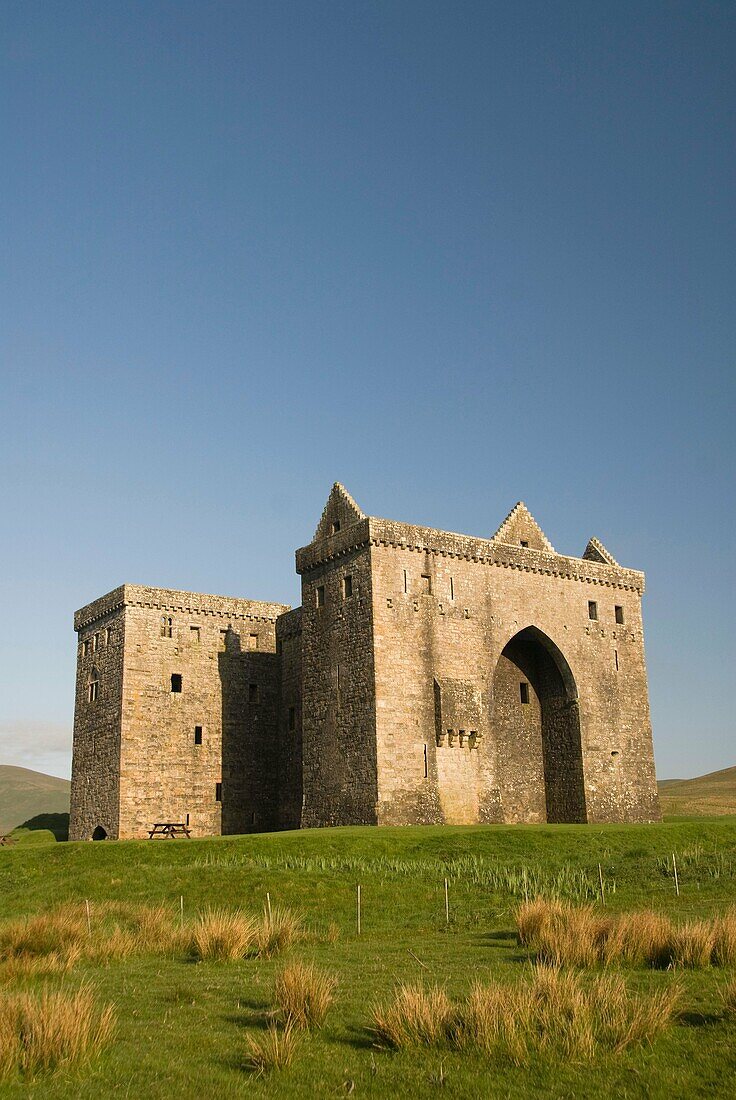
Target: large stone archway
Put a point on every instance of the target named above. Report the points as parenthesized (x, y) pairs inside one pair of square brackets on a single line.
[(536, 726)]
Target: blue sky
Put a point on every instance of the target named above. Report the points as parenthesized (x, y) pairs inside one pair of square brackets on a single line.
[(451, 254)]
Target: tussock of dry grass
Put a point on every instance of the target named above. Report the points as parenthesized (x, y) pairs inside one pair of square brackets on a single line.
[(279, 931), (729, 998), (275, 1050), (40, 1032), (224, 934), (555, 1012), (562, 934), (303, 994), (415, 1017)]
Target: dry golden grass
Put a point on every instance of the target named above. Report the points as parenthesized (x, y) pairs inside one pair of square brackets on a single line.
[(41, 1032), (562, 934), (729, 998), (724, 948), (303, 994), (275, 1050), (415, 1017), (224, 934), (45, 934), (554, 1012), (277, 931)]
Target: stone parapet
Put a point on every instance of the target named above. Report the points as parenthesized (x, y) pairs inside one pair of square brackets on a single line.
[(170, 599)]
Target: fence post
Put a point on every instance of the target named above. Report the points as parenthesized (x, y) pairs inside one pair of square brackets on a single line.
[(677, 881), (447, 904), (600, 879), (358, 911)]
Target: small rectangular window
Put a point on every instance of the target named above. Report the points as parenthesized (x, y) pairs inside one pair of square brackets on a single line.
[(252, 693), (166, 626), (197, 735), (619, 615), (427, 584), (426, 764), (524, 692), (452, 588), (320, 595), (108, 635), (335, 527), (524, 542), (194, 635), (86, 647), (406, 582), (252, 641), (218, 792), (93, 691), (176, 682), (223, 640), (347, 586), (292, 718), (592, 609), (95, 642), (615, 658)]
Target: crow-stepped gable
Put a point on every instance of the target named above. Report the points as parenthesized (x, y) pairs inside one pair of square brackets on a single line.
[(428, 677)]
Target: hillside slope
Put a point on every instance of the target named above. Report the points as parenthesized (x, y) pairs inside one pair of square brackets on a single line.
[(25, 794), (712, 794)]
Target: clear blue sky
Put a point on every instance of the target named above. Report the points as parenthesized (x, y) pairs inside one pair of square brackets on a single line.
[(451, 254)]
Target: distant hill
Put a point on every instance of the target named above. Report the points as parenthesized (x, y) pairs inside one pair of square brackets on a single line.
[(706, 795), (24, 794)]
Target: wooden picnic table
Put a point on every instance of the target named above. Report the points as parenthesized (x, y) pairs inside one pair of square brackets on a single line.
[(171, 829)]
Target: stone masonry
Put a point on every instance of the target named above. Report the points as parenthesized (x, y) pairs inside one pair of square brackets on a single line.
[(428, 677)]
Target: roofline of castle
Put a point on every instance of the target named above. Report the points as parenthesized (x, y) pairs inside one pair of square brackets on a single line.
[(171, 599), (404, 536)]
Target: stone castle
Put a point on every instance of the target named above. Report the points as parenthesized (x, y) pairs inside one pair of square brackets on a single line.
[(428, 677)]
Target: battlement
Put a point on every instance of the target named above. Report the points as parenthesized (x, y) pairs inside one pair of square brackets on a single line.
[(171, 599), (404, 536)]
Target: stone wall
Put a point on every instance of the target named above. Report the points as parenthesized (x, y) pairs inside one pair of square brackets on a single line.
[(289, 647), (338, 687), (95, 792)]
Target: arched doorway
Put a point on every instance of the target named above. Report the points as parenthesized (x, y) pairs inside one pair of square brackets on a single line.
[(99, 834), (536, 725)]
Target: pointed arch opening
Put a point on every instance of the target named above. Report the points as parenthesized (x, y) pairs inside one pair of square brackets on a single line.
[(99, 833), (536, 723)]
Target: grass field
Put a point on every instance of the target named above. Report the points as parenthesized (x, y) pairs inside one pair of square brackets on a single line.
[(183, 1026), (712, 794)]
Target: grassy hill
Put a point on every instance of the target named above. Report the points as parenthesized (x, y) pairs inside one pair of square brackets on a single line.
[(25, 794), (705, 796), (182, 1026)]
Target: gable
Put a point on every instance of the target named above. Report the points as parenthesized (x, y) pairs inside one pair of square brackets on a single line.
[(520, 527), (596, 551), (339, 512)]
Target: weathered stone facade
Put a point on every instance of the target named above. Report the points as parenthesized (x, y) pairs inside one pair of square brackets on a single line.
[(427, 677)]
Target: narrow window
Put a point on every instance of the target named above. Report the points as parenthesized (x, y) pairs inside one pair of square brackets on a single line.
[(320, 595), (93, 687), (194, 635), (292, 718), (223, 640), (619, 615), (252, 693), (524, 692), (592, 609), (406, 582), (166, 625), (426, 764), (85, 647), (218, 792), (187, 819), (176, 683), (253, 818), (427, 583), (615, 657), (524, 542), (252, 641), (95, 642), (452, 589), (335, 527), (108, 635), (197, 735), (347, 586)]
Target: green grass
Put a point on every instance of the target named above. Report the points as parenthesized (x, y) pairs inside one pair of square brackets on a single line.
[(182, 1025)]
